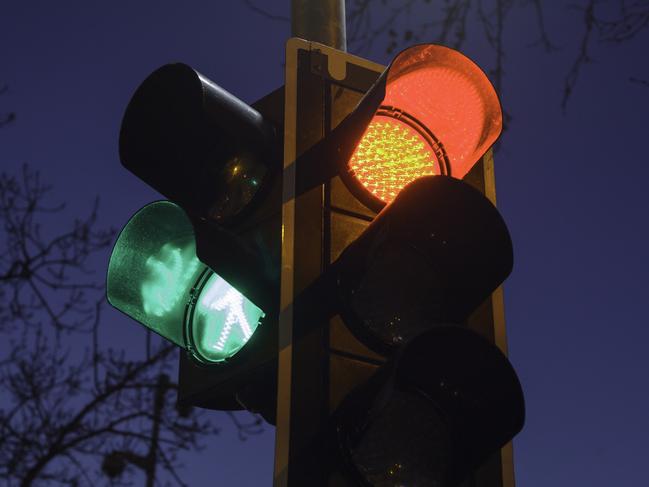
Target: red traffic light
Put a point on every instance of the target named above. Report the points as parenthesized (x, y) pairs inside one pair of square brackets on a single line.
[(439, 115)]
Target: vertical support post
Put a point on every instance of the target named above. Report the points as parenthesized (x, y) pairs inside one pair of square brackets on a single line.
[(303, 389), (300, 393), (321, 21), (489, 321)]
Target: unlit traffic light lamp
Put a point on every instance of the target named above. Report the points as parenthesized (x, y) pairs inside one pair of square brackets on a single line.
[(432, 414), (432, 256), (198, 145)]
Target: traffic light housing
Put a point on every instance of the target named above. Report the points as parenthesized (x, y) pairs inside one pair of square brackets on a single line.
[(443, 399), (346, 345), (447, 398), (432, 256), (432, 414), (382, 286), (202, 270), (197, 144), (432, 111), (439, 115)]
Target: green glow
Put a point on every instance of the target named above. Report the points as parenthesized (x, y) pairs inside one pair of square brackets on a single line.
[(224, 320), (170, 273), (154, 275), (153, 267)]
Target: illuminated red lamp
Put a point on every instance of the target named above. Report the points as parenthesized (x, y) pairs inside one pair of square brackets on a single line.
[(439, 115)]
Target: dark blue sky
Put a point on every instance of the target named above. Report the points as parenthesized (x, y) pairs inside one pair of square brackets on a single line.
[(571, 187)]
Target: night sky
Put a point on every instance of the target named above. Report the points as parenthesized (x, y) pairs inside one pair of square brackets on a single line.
[(572, 188)]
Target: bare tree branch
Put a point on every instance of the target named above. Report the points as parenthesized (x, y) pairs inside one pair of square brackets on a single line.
[(583, 56), (246, 428), (64, 409), (629, 20), (33, 267), (544, 38), (393, 22), (643, 82), (7, 118)]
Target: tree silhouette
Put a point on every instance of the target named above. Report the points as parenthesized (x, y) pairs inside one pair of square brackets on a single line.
[(451, 22), (398, 23), (73, 412), (63, 410)]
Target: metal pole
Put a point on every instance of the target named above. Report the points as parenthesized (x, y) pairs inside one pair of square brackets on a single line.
[(321, 21), (302, 398)]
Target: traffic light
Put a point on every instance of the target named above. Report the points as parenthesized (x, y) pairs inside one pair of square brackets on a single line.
[(202, 269), (407, 255), (439, 115), (433, 111), (336, 294)]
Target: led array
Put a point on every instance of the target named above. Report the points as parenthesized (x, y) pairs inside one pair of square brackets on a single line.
[(232, 304), (390, 155), (224, 320)]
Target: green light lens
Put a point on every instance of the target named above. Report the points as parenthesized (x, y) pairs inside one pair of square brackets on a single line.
[(223, 320), (154, 276)]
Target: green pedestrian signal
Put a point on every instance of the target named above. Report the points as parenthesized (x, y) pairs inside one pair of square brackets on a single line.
[(202, 269), (223, 320), (155, 277)]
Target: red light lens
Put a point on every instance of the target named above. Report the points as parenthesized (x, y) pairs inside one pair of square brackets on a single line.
[(440, 115)]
